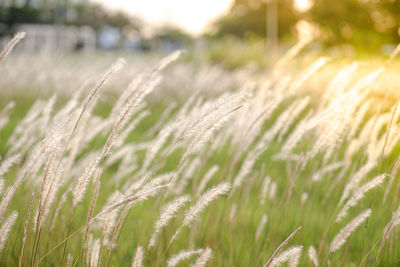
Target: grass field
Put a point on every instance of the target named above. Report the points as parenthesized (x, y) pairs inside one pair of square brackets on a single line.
[(92, 157)]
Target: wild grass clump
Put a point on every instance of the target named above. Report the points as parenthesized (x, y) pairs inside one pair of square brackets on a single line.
[(240, 169)]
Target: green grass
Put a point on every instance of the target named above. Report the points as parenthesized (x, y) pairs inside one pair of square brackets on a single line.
[(233, 242)]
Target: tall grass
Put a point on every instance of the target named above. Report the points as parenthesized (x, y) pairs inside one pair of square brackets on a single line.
[(197, 165)]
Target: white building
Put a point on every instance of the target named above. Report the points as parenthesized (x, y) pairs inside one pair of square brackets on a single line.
[(50, 38), (34, 3)]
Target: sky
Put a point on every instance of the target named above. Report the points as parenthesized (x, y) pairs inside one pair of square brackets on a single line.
[(191, 15)]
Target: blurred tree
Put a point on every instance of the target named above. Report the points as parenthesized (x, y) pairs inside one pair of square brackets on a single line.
[(369, 23), (247, 17), (170, 38), (366, 23), (172, 33), (66, 12)]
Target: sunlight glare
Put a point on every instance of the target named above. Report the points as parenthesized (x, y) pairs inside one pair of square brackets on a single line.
[(191, 15)]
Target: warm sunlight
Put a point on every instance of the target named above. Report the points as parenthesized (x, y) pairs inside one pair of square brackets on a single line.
[(191, 15), (203, 133), (303, 5)]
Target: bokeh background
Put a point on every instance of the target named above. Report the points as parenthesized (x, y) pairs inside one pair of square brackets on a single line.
[(230, 32)]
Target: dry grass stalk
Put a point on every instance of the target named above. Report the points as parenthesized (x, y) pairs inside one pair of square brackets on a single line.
[(9, 47), (281, 246)]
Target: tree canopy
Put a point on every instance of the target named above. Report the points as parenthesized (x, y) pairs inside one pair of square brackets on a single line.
[(367, 22)]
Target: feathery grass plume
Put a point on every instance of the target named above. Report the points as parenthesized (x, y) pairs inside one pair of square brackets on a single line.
[(120, 154), (108, 224), (130, 188), (207, 132), (363, 138), (30, 118), (5, 114), (118, 227), (167, 60), (232, 213), (2, 182), (360, 118), (137, 261), (331, 131), (281, 246), (89, 219), (342, 236), (388, 230), (391, 179), (81, 185), (249, 123), (304, 197), (203, 202), (306, 123), (123, 117), (297, 83), (273, 191), (136, 99), (51, 185), (294, 111), (126, 94), (117, 66), (114, 68), (359, 194), (249, 162), (213, 119), (89, 248), (127, 111), (46, 113), (27, 219), (131, 126), (158, 180), (261, 226), (34, 161), (8, 163), (163, 118), (69, 260), (312, 254), (94, 253), (339, 83), (188, 174), (62, 201), (282, 123), (167, 213), (9, 47), (204, 256), (245, 169), (6, 228), (205, 199), (46, 187), (356, 179), (290, 255), (183, 255), (317, 176), (264, 189), (138, 197), (207, 177), (368, 79)]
